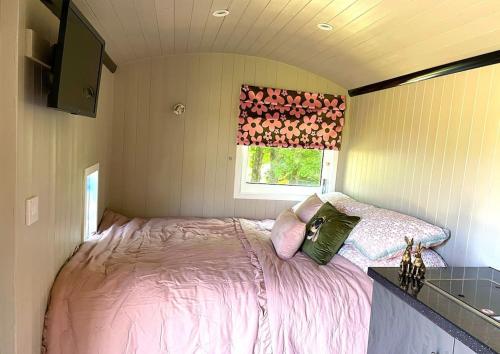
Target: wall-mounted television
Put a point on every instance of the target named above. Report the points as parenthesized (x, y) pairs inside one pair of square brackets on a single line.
[(77, 64)]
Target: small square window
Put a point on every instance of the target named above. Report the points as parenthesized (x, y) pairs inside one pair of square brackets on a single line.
[(91, 201), (283, 173)]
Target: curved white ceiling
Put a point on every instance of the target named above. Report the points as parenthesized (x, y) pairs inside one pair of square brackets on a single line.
[(372, 40)]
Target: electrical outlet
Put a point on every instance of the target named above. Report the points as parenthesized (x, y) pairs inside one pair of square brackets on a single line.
[(31, 211)]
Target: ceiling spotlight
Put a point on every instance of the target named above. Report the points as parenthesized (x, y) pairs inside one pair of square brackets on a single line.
[(220, 13), (325, 26)]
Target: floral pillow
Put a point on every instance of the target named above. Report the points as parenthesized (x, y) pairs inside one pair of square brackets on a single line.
[(287, 234), (380, 233), (340, 201), (430, 257), (353, 207)]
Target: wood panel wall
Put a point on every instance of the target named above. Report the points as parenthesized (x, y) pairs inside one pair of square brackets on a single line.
[(8, 112), (170, 165), (432, 150), (54, 148), (51, 150)]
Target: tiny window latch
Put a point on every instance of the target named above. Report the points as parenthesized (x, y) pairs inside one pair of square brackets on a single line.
[(324, 186)]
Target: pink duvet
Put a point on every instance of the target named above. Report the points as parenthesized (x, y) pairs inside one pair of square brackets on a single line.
[(202, 286)]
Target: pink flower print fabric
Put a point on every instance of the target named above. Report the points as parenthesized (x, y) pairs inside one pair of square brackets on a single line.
[(287, 118)]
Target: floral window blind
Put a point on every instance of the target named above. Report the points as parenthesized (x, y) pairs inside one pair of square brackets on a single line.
[(286, 118)]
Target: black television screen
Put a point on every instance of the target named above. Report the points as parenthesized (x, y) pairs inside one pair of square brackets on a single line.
[(77, 64)]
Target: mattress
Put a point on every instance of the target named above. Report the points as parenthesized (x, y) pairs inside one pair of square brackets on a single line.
[(175, 285)]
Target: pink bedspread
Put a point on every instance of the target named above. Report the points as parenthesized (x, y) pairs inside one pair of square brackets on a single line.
[(202, 286)]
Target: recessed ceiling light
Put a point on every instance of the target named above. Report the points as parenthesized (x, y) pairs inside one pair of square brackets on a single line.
[(325, 26), (220, 13)]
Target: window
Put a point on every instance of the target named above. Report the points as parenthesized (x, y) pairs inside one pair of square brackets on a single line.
[(91, 201), (283, 173)]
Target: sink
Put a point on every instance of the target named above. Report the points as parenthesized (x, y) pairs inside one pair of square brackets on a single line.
[(482, 296)]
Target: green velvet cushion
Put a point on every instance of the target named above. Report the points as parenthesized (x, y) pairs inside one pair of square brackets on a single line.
[(326, 233)]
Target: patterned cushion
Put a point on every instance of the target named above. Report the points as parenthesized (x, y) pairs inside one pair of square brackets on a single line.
[(333, 197), (326, 232), (430, 258), (380, 233), (287, 234), (353, 207), (341, 202)]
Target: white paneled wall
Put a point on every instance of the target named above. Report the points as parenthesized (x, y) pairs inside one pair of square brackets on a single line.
[(47, 152), (8, 107), (432, 150), (170, 165), (54, 148)]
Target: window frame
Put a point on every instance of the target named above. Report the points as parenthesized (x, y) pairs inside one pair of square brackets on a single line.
[(87, 173), (243, 190)]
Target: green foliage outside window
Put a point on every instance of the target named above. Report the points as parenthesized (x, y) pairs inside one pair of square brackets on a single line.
[(287, 166)]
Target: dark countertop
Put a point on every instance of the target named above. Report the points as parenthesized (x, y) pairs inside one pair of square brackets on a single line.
[(453, 317)]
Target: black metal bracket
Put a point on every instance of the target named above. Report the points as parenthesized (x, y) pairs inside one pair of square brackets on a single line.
[(441, 70), (55, 7)]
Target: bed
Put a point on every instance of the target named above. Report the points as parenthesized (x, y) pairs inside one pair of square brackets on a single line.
[(174, 285)]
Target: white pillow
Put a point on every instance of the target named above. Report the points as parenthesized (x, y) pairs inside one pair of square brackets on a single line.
[(333, 197), (340, 201), (430, 258), (347, 205), (380, 233)]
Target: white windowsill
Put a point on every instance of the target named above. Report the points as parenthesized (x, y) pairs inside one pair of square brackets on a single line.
[(274, 196), (243, 190)]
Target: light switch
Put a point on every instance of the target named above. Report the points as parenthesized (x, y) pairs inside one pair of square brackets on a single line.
[(31, 211)]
